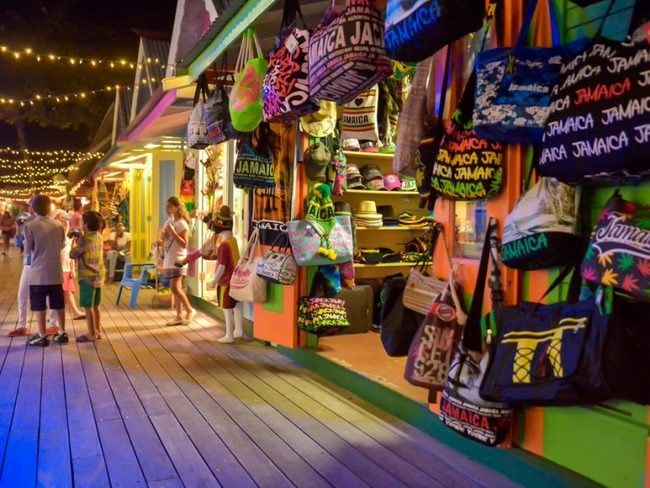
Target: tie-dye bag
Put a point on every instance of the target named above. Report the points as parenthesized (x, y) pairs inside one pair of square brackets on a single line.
[(246, 95)]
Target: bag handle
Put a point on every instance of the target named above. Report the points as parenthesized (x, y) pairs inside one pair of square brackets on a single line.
[(253, 244), (200, 89), (291, 8), (281, 242), (528, 20)]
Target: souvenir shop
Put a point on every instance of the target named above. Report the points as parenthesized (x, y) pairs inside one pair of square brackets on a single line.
[(449, 199)]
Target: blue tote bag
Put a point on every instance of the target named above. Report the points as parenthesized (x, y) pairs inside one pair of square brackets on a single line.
[(514, 84)]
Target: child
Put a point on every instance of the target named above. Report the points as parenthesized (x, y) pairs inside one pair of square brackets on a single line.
[(89, 253), (44, 239)]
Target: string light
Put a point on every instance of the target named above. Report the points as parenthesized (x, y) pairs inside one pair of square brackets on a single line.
[(53, 153), (59, 98)]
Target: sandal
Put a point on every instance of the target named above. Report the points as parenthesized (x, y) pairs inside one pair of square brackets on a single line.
[(85, 338), (175, 322), (80, 317)]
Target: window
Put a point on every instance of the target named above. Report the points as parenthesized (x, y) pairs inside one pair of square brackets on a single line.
[(470, 224)]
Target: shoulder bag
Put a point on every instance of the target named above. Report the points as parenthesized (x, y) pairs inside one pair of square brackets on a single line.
[(255, 167), (278, 265), (307, 242), (220, 127), (246, 95), (398, 324), (197, 127), (321, 315), (245, 285)]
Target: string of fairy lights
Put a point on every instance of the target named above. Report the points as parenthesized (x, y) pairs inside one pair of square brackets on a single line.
[(59, 98)]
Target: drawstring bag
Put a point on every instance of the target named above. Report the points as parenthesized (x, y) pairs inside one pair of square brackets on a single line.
[(246, 95), (359, 119), (255, 167), (320, 313), (286, 84), (220, 127), (513, 92), (346, 51), (245, 285), (197, 127), (416, 30)]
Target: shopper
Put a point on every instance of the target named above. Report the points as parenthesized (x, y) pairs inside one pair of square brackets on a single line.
[(44, 240), (23, 287), (120, 245), (88, 251), (75, 218), (174, 241), (7, 226)]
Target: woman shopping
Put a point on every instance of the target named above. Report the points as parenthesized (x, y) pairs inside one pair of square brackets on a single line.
[(174, 240), (7, 225)]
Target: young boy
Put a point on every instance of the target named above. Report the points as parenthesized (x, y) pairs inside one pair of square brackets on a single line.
[(89, 253), (44, 239)]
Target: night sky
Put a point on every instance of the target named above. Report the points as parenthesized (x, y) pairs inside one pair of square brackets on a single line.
[(92, 28)]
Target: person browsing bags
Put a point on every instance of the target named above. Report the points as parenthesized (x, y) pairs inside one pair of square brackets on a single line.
[(88, 250), (175, 236), (44, 240)]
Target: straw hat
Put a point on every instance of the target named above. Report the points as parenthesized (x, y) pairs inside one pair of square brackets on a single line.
[(322, 122)]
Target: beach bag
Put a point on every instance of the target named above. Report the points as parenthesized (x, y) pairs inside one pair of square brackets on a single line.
[(619, 250), (542, 229), (346, 51), (513, 91), (285, 90), (467, 167), (359, 118), (462, 408), (398, 324), (197, 127), (254, 166), (245, 285), (321, 315), (599, 125), (209, 248), (306, 242), (245, 102), (217, 113), (278, 265), (417, 30)]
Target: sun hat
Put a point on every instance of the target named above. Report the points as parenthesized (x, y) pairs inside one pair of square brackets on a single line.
[(342, 208), (367, 207), (322, 122), (222, 220), (366, 215), (320, 209), (392, 182), (317, 157)]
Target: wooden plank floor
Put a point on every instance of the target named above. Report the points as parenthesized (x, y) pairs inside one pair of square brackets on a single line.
[(160, 406)]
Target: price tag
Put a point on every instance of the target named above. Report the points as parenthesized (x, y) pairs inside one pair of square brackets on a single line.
[(291, 43)]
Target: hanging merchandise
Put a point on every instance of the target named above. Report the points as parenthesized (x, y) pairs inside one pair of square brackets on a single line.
[(197, 127), (255, 166), (245, 285), (416, 30), (188, 186), (317, 159), (462, 408), (467, 167), (319, 314), (359, 118), (346, 51), (339, 167), (246, 95), (619, 250), (217, 113), (286, 84), (513, 92), (599, 126), (541, 231), (398, 324), (321, 123), (278, 265)]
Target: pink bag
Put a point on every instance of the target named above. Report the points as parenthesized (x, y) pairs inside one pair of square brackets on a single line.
[(245, 285)]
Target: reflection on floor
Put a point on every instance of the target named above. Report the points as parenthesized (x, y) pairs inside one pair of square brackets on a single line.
[(365, 354)]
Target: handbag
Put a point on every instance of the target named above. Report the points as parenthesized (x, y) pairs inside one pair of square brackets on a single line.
[(346, 51), (278, 265), (245, 102), (217, 113), (541, 231), (306, 242), (398, 324), (462, 408), (418, 30), (286, 84), (254, 167), (197, 127), (321, 315), (619, 250), (245, 285), (209, 248), (600, 114), (513, 91)]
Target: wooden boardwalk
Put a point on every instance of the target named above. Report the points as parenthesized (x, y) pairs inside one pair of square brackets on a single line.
[(169, 407)]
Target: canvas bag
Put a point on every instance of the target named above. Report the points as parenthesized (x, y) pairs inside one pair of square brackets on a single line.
[(197, 127), (513, 91), (321, 315), (278, 265), (398, 324), (286, 95), (220, 127), (356, 60), (306, 241), (245, 102), (462, 409), (245, 285), (619, 250), (417, 31), (600, 115), (359, 118), (542, 229), (255, 167)]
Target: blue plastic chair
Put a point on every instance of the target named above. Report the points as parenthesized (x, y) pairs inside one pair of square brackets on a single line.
[(134, 284)]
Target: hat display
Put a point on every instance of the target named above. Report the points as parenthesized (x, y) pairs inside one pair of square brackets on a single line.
[(392, 182), (322, 122), (222, 220), (320, 209), (413, 221), (409, 183), (342, 208), (317, 157), (351, 145), (388, 215), (373, 179), (366, 215), (354, 178)]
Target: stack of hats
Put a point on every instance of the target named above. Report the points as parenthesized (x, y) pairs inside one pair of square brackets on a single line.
[(388, 215), (372, 177), (413, 221), (367, 216), (354, 178), (392, 182)]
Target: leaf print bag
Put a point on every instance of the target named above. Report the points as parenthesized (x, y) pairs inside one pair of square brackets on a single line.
[(246, 95), (619, 251)]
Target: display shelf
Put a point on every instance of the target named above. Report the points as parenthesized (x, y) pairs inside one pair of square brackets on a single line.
[(385, 193), (382, 270), (401, 264), (392, 229)]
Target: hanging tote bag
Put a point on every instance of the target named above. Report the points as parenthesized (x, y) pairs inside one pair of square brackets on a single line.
[(599, 125), (398, 324), (307, 243), (245, 102), (542, 229), (197, 127), (321, 315), (619, 250), (278, 265), (513, 91), (416, 30), (286, 84), (245, 285), (346, 51), (359, 118), (462, 408), (255, 167), (220, 127)]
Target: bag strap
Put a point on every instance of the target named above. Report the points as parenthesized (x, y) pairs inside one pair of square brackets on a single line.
[(200, 89), (472, 337), (253, 242), (281, 242), (291, 8), (608, 12)]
